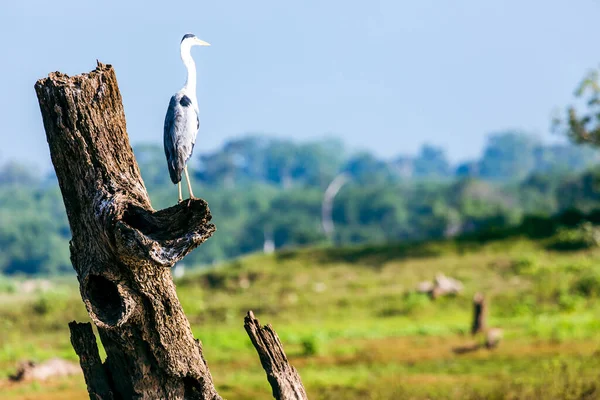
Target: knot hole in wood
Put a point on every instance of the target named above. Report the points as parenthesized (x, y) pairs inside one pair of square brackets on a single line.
[(106, 301)]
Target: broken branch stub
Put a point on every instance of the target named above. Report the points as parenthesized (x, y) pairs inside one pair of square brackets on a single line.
[(121, 248), (282, 376), (84, 343)]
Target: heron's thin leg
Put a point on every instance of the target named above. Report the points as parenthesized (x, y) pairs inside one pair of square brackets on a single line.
[(179, 187), (187, 177)]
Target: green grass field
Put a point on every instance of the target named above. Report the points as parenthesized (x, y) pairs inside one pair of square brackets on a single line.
[(352, 324)]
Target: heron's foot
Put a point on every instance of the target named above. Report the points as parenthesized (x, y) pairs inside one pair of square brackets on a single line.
[(192, 198)]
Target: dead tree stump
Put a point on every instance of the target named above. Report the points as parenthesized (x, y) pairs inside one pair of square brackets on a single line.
[(122, 249), (479, 314), (480, 325)]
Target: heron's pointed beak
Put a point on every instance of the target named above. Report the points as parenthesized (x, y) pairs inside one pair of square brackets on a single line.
[(202, 43)]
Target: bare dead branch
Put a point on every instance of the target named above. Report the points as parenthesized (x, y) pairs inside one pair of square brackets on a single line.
[(84, 343), (282, 376)]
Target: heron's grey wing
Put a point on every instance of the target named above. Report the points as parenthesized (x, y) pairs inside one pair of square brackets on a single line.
[(181, 127), (170, 141)]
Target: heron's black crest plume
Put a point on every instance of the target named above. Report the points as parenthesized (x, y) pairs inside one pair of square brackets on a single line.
[(187, 36), (185, 101)]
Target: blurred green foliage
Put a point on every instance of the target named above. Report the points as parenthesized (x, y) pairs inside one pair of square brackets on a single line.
[(262, 188), (581, 120)]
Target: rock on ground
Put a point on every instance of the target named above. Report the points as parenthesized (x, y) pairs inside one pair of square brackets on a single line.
[(55, 367)]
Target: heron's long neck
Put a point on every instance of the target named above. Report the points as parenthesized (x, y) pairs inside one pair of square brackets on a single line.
[(188, 61)]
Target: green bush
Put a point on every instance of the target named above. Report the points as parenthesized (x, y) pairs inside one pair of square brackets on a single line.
[(42, 305), (587, 285), (414, 302), (49, 303), (570, 217), (569, 302), (535, 226), (583, 237), (594, 216), (312, 345), (524, 265)]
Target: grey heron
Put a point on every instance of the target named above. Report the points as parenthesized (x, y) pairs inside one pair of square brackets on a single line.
[(182, 120)]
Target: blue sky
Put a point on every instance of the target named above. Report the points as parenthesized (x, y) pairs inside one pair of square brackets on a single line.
[(385, 76)]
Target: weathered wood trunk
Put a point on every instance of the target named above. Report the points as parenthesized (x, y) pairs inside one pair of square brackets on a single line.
[(121, 248)]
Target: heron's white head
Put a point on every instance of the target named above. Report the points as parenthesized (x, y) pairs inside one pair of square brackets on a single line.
[(189, 40)]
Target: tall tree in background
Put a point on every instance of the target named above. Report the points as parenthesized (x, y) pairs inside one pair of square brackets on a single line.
[(365, 168), (432, 163), (584, 126), (318, 162), (508, 156)]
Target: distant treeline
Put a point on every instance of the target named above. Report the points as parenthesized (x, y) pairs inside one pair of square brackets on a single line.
[(262, 188)]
